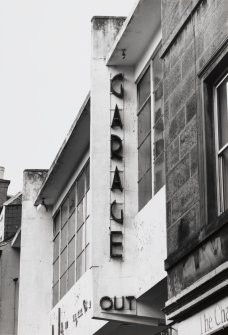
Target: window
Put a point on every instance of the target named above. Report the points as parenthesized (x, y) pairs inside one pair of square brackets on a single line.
[(221, 141), (213, 147), (150, 132), (71, 257)]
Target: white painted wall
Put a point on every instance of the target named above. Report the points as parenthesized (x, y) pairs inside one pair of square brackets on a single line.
[(144, 232), (35, 295), (72, 308), (150, 227)]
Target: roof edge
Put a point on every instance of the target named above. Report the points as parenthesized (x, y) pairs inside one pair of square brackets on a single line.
[(57, 157), (121, 32)]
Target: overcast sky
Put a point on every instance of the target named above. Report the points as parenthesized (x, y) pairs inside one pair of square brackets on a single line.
[(44, 76)]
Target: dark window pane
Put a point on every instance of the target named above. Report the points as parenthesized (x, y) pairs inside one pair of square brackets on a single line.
[(64, 211), (144, 122), (72, 200), (64, 237), (145, 189), (157, 70), (80, 240), (63, 262), (56, 271), (71, 226), (159, 173), (80, 265), (56, 248), (87, 177), (63, 285), (144, 157), (71, 252), (55, 293), (222, 113), (144, 88), (81, 187), (157, 115), (158, 147), (80, 214), (158, 92), (71, 275), (57, 223)]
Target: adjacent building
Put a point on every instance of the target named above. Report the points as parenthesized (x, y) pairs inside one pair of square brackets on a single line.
[(10, 222), (195, 58)]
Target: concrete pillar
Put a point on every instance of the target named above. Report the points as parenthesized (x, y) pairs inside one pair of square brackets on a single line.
[(35, 295), (2, 170)]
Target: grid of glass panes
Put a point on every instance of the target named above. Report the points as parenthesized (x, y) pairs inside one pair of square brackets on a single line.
[(150, 116), (221, 119), (144, 139), (71, 237), (158, 126)]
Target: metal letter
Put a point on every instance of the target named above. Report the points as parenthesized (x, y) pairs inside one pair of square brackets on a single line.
[(114, 244), (130, 298), (116, 121), (116, 184), (118, 220), (116, 147), (107, 299), (115, 305), (117, 77)]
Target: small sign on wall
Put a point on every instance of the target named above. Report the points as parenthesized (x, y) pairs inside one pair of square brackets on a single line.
[(125, 304)]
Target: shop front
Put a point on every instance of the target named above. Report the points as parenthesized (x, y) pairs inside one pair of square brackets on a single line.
[(211, 320)]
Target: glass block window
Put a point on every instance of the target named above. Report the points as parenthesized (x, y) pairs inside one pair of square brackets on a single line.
[(71, 242), (150, 132)]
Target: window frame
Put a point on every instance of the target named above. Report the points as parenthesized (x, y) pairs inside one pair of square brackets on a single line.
[(210, 76), (69, 238), (219, 152), (151, 133)]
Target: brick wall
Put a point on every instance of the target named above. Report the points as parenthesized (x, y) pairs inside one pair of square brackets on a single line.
[(192, 32)]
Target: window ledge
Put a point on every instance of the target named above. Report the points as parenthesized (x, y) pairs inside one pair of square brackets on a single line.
[(197, 240)]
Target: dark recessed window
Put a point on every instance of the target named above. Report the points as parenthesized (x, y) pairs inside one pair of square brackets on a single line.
[(151, 175)]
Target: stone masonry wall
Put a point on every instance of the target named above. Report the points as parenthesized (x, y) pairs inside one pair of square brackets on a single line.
[(192, 32)]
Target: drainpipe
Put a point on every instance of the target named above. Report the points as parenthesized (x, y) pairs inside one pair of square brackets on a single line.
[(14, 309)]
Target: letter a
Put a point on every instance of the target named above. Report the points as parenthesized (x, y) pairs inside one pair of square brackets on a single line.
[(116, 184), (116, 121)]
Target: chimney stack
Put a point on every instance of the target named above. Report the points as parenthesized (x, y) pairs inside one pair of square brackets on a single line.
[(2, 170), (4, 184)]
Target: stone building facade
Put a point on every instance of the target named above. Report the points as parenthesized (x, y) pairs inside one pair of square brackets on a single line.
[(195, 65)]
